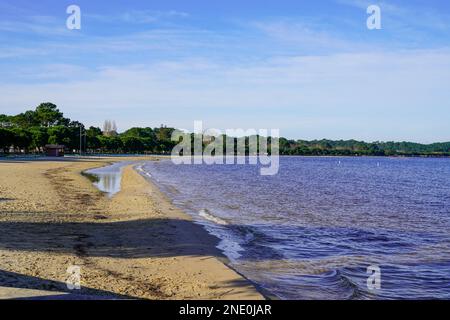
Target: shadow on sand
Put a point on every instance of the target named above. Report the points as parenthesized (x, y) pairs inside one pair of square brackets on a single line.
[(129, 239), (18, 281), (125, 239), (145, 238)]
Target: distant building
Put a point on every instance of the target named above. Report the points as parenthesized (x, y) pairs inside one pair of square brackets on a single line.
[(54, 150)]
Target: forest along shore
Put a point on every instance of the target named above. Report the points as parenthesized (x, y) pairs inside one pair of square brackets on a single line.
[(134, 245)]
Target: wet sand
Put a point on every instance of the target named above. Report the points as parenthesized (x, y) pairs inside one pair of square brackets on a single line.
[(134, 245)]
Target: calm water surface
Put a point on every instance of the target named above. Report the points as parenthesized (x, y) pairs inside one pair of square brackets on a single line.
[(109, 177), (312, 230)]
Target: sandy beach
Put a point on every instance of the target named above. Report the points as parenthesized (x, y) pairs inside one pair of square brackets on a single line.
[(133, 245)]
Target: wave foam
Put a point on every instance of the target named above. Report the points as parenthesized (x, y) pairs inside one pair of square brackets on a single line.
[(204, 213)]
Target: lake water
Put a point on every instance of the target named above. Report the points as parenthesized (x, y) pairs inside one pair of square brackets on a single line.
[(311, 231)]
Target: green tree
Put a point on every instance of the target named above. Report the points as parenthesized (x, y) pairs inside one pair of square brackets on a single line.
[(48, 115), (60, 135), (39, 137), (22, 139), (5, 121), (132, 144), (116, 144), (146, 135), (6, 139), (92, 138), (25, 120), (110, 144), (93, 132)]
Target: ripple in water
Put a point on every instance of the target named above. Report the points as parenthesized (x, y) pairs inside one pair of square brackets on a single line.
[(311, 231)]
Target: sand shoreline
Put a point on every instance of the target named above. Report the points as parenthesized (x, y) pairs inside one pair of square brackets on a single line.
[(134, 245)]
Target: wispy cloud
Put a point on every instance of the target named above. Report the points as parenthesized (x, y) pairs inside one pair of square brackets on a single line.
[(140, 17), (7, 52), (358, 87), (41, 25), (306, 36), (311, 75), (51, 25)]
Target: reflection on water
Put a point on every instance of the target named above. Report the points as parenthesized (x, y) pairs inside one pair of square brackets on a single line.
[(109, 178), (109, 183)]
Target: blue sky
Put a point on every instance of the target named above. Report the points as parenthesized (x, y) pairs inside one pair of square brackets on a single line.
[(309, 68)]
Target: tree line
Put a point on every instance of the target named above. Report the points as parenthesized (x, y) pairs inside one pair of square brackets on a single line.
[(31, 131), (326, 147)]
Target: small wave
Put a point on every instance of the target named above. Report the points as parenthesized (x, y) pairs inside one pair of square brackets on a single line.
[(170, 188), (142, 171), (232, 206), (205, 213), (337, 284), (249, 236)]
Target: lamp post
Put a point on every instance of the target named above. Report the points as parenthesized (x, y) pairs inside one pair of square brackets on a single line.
[(81, 136), (80, 141)]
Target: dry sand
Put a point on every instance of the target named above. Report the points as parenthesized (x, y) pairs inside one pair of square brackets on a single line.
[(134, 245)]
